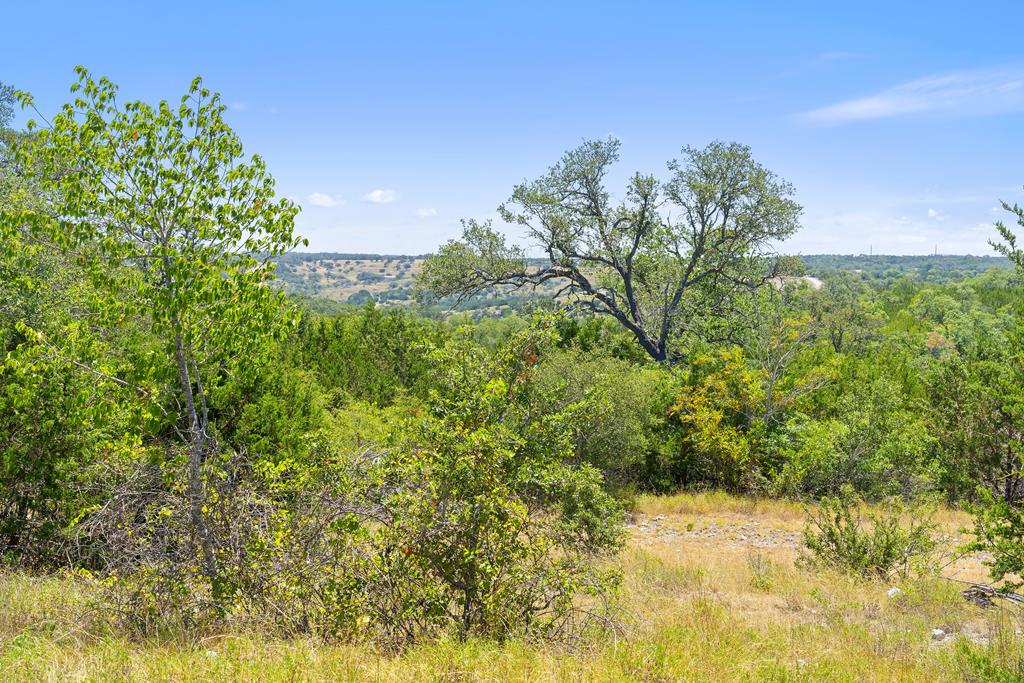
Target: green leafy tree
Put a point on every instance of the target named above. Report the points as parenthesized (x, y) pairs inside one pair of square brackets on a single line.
[(671, 256), (847, 315), (486, 525), (1008, 245), (55, 424), (627, 426), (175, 226), (370, 354), (999, 522), (978, 410)]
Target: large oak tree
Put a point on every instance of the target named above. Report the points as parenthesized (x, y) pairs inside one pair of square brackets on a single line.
[(667, 256)]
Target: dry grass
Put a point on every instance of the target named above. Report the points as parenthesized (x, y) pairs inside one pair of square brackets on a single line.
[(710, 586)]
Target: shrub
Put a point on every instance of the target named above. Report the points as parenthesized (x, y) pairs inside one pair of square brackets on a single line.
[(835, 536), (473, 518), (999, 531), (283, 536), (486, 526), (625, 425)]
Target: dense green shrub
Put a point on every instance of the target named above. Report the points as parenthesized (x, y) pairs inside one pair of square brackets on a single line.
[(626, 425), (894, 542), (486, 523), (368, 354), (999, 531), (978, 419)]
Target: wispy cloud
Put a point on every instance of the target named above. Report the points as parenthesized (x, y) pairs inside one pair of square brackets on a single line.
[(325, 200), (974, 92), (426, 213), (380, 197), (936, 215), (818, 63)]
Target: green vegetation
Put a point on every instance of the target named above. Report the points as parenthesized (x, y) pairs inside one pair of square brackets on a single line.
[(894, 543), (602, 477)]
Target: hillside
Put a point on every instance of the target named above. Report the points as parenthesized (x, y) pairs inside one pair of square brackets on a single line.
[(388, 279)]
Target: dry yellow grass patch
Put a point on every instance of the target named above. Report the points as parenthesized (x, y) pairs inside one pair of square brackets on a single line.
[(710, 593)]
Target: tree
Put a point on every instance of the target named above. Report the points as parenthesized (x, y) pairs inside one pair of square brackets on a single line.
[(999, 522), (175, 227), (668, 256), (1008, 246), (850, 320), (978, 409), (484, 524)]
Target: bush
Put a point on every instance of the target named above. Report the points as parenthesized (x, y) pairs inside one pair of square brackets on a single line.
[(486, 526), (283, 536), (626, 425), (877, 440), (999, 531), (472, 518), (835, 536)]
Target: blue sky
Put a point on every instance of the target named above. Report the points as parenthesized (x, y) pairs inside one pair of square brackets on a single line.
[(899, 123)]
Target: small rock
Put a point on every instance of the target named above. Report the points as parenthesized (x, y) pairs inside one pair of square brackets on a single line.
[(893, 592), (938, 634)]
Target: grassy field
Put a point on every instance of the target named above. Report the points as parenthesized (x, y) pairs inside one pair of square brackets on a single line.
[(711, 593)]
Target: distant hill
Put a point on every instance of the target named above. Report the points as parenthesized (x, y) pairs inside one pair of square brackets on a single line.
[(387, 279), (882, 268)]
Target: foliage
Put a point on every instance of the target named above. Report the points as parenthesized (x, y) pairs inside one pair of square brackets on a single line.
[(894, 543), (368, 354), (999, 531), (738, 404), (1007, 246), (979, 426), (626, 425), (173, 225), (487, 526), (999, 520), (718, 416), (656, 277)]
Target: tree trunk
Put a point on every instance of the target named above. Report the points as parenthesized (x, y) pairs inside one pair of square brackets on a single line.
[(196, 449)]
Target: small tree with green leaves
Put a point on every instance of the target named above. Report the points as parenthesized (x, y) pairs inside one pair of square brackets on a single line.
[(485, 523), (175, 227), (999, 522), (895, 541)]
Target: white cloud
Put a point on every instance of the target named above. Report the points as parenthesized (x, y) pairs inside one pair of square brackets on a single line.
[(974, 92), (426, 213), (239, 106), (936, 215), (380, 196), (325, 200)]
